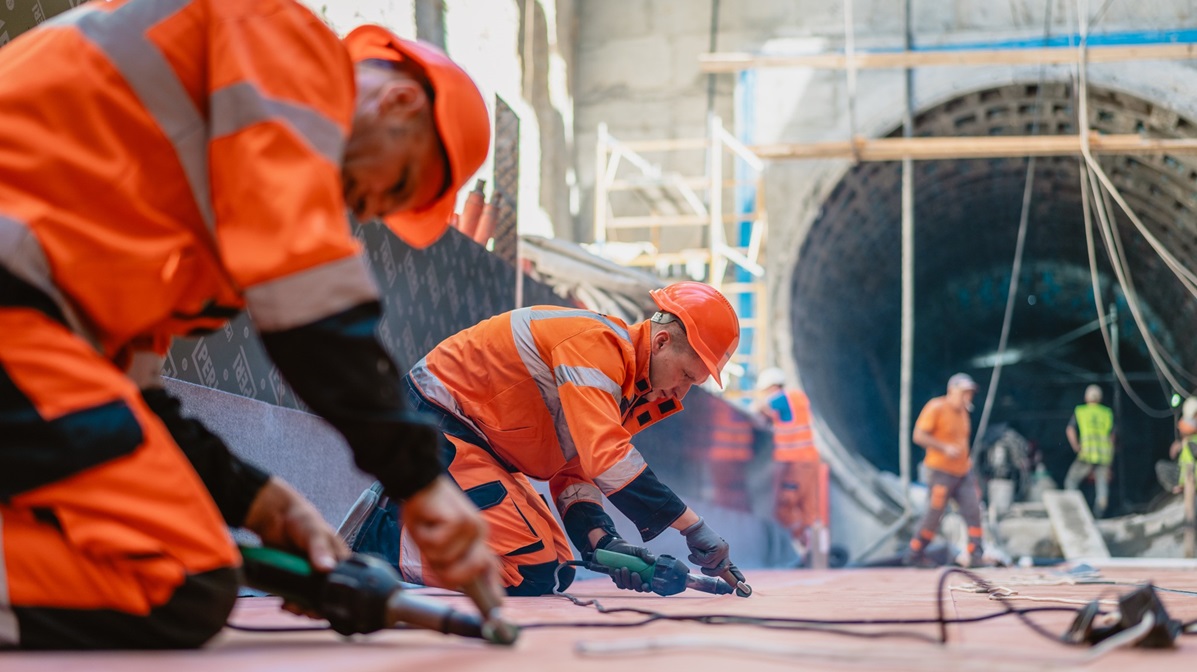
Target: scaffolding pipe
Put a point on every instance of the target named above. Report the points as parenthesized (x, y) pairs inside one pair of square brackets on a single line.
[(715, 206), (907, 365), (850, 53), (600, 191)]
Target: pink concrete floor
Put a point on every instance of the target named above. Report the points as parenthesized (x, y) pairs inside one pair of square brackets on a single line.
[(1002, 644)]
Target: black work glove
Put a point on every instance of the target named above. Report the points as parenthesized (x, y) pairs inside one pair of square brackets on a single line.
[(707, 549), (624, 577)]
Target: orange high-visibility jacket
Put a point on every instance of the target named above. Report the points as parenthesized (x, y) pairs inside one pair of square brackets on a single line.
[(731, 436), (793, 439), (187, 168), (556, 393)]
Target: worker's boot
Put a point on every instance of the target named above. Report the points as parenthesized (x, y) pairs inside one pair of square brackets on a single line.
[(913, 558)]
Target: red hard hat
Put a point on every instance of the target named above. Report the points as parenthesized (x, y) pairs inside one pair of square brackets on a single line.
[(459, 112), (712, 327)]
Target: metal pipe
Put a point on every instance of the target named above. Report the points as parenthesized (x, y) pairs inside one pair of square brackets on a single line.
[(850, 57), (907, 365)]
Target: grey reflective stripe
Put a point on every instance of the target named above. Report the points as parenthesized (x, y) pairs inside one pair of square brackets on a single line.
[(239, 106), (435, 391), (525, 345), (22, 254), (615, 478), (145, 370), (588, 376), (557, 314), (304, 297), (121, 35), (578, 492), (411, 565), (10, 633)]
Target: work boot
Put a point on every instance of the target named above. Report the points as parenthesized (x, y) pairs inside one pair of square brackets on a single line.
[(913, 558)]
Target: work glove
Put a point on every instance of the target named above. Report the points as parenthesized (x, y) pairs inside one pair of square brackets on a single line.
[(707, 549), (622, 576)]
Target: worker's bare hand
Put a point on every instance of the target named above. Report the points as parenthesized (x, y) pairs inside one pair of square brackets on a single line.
[(952, 450), (284, 519), (450, 533)]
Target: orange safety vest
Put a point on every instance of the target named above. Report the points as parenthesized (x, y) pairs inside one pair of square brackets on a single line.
[(731, 436), (165, 164), (793, 438), (556, 392)]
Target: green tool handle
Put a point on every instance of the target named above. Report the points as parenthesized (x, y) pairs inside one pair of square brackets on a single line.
[(281, 573), (631, 563)]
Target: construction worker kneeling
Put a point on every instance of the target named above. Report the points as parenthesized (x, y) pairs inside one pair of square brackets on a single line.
[(163, 167), (556, 394)]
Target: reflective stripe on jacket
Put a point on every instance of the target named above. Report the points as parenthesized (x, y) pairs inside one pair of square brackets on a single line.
[(1095, 423), (556, 392), (165, 164), (793, 438), (731, 435)]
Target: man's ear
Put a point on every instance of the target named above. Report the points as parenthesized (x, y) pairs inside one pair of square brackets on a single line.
[(661, 339), (403, 98)]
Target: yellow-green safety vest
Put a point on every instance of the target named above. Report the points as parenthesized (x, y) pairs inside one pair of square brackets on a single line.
[(1188, 444), (1095, 423)]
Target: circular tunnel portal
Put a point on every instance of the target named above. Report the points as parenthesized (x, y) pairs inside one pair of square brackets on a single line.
[(846, 285)]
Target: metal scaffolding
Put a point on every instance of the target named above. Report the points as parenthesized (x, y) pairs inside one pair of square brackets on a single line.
[(665, 199)]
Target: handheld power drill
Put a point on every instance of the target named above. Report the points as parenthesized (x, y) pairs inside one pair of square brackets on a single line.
[(363, 594), (666, 576)]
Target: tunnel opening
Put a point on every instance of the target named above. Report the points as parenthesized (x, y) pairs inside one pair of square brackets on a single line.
[(846, 285)]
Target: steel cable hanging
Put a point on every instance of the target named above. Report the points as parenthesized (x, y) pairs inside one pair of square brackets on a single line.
[(1023, 218), (1097, 175), (1105, 334)]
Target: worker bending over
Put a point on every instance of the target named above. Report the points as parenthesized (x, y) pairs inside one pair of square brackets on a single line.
[(165, 165), (1094, 447), (556, 394), (943, 429)]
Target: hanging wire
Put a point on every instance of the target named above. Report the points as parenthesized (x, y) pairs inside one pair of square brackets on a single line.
[(1096, 175), (1105, 334), (1023, 219)]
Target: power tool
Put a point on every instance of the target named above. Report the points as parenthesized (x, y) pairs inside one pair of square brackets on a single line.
[(666, 576), (364, 594)]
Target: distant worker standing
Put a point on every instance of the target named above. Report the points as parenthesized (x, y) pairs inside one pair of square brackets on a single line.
[(1094, 447), (1184, 449), (943, 430), (797, 496)]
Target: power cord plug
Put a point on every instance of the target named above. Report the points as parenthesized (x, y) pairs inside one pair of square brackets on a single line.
[(1090, 628)]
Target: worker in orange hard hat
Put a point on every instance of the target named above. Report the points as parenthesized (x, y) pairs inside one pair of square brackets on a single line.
[(556, 394), (165, 166)]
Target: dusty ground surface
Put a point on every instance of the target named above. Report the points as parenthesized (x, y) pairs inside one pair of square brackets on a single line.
[(1000, 644)]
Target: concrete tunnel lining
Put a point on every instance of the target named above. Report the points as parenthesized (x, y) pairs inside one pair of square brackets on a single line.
[(845, 286)]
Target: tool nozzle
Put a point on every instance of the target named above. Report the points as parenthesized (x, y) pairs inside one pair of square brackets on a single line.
[(708, 584), (494, 629), (742, 589)]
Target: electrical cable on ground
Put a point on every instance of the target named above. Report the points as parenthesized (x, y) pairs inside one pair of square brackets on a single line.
[(826, 626)]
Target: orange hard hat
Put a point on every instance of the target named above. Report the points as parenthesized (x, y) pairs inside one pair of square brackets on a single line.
[(461, 121), (712, 327)]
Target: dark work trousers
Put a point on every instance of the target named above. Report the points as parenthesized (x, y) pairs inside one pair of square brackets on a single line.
[(967, 494)]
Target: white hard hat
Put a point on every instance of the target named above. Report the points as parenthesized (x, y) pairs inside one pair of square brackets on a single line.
[(770, 377), (1189, 409), (1093, 393), (962, 380)]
